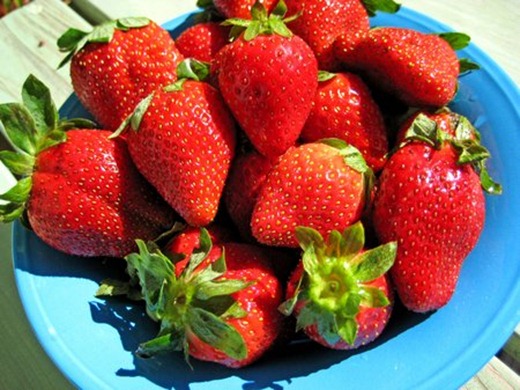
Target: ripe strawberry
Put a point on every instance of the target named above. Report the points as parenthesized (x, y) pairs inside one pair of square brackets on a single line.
[(321, 21), (344, 108), (431, 202), (81, 192), (322, 185), (118, 64), (268, 77), (340, 293), (420, 69), (202, 41), (182, 139), (246, 178), (240, 8), (218, 307)]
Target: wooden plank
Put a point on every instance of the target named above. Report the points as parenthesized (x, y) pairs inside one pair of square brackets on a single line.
[(28, 45), (510, 354), (160, 11), (494, 376)]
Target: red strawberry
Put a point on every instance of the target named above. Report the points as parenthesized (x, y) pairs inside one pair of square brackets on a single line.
[(182, 139), (118, 64), (321, 21), (340, 293), (320, 185), (268, 78), (420, 69), (203, 40), (240, 8), (344, 108), (218, 307), (81, 191), (246, 178), (431, 202)]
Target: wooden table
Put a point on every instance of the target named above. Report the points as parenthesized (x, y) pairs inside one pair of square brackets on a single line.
[(27, 45)]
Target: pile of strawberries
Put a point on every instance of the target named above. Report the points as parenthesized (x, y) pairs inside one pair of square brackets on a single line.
[(278, 167)]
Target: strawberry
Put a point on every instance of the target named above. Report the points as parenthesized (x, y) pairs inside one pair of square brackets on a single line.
[(430, 200), (321, 21), (420, 69), (268, 77), (322, 185), (117, 64), (246, 178), (240, 8), (340, 293), (220, 306), (202, 41), (344, 108), (80, 191), (182, 139)]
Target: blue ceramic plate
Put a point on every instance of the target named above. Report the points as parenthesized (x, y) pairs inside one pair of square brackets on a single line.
[(92, 341)]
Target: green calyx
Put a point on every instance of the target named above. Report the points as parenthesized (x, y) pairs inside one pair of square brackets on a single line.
[(388, 6), (73, 40), (261, 22), (466, 141), (30, 127), (334, 285), (198, 301)]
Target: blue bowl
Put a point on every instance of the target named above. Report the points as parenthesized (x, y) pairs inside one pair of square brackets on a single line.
[(92, 341)]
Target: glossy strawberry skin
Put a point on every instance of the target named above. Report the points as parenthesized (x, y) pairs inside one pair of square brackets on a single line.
[(188, 137), (420, 69), (371, 320), (240, 8), (246, 178), (269, 83), (309, 186), (89, 199), (202, 41), (344, 108), (435, 209), (321, 21), (111, 78)]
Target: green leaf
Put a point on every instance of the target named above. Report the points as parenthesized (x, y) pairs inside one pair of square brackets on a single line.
[(470, 151), (280, 10), (487, 182), (347, 329), (76, 123), (193, 69), (168, 342), (456, 40), (102, 33), (199, 254), (132, 22), (424, 129), (38, 101), (259, 12), (252, 31), (10, 212), (224, 306), (214, 331), (71, 39), (212, 289), (17, 163), (115, 288), (388, 6), (140, 110), (308, 237), (353, 239), (466, 65), (373, 297), (18, 127), (323, 76), (308, 315), (19, 193), (52, 138), (375, 262), (280, 28)]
